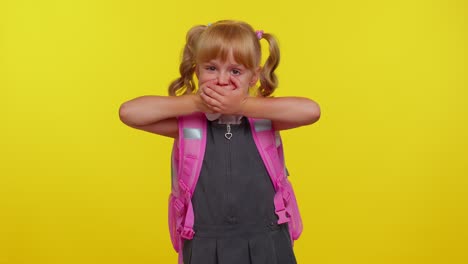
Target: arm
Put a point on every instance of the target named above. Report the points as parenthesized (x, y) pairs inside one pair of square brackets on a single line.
[(157, 114), (284, 112)]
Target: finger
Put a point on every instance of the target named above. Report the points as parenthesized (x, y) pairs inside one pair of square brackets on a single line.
[(205, 84), (217, 109), (210, 81), (210, 109), (210, 101), (215, 92), (235, 81), (221, 90)]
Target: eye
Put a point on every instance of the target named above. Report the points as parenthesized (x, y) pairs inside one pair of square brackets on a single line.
[(235, 71), (210, 68)]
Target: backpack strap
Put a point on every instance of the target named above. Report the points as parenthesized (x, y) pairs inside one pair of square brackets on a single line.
[(192, 143), (269, 145)]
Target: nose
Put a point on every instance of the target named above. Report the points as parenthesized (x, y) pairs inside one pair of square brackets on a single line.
[(223, 79)]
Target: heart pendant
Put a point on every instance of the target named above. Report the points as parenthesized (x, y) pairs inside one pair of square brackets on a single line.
[(228, 135)]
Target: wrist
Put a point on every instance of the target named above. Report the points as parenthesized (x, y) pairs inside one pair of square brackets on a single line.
[(245, 104), (192, 103)]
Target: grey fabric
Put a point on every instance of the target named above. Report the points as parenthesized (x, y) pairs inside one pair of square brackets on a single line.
[(235, 220)]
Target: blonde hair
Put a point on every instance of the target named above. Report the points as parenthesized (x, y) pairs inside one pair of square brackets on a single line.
[(204, 43)]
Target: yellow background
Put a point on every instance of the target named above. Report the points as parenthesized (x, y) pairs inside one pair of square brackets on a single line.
[(381, 178)]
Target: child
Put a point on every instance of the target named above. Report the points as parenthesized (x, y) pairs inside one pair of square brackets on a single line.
[(236, 211)]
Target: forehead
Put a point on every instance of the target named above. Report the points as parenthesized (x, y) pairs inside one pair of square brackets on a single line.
[(228, 60), (226, 54)]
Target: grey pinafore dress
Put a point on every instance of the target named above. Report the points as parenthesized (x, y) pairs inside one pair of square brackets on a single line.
[(235, 220)]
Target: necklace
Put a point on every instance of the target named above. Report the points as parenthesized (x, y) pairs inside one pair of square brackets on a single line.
[(228, 133)]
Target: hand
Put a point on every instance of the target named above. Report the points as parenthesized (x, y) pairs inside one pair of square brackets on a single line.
[(224, 99), (200, 105)]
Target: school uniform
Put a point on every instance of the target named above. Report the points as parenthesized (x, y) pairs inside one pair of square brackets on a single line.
[(235, 220)]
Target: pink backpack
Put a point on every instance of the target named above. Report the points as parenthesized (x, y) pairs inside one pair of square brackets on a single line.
[(187, 159)]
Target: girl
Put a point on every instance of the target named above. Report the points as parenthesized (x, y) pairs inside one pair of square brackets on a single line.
[(232, 213)]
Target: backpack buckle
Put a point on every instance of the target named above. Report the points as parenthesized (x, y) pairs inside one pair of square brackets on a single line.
[(283, 216), (187, 233)]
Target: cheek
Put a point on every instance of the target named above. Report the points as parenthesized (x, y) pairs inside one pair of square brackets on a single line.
[(245, 82), (204, 77), (244, 85)]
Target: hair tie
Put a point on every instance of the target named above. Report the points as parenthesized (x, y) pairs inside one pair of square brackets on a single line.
[(259, 34)]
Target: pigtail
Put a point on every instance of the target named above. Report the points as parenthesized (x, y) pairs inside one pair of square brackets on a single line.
[(185, 83), (268, 79)]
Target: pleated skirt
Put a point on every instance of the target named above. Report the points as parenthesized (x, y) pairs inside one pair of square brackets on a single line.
[(240, 245)]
